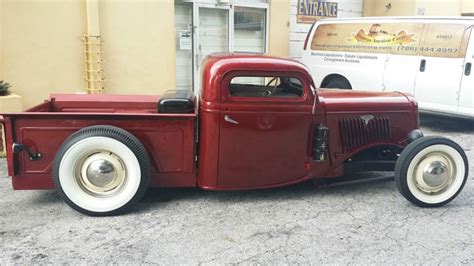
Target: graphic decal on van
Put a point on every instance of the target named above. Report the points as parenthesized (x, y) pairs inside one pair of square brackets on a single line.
[(434, 40), (378, 36)]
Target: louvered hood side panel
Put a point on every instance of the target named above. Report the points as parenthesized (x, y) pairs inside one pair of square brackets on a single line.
[(355, 132)]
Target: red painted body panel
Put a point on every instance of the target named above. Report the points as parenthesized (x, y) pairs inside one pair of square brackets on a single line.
[(345, 104), (271, 146), (249, 156), (169, 139)]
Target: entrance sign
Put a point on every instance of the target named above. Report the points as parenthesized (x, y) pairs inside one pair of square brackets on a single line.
[(311, 10)]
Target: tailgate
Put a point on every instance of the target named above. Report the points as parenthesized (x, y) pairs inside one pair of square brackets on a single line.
[(2, 138)]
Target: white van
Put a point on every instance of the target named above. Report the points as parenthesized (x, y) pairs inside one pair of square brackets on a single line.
[(431, 58)]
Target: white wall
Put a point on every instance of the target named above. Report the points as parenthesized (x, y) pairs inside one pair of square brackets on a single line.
[(467, 6), (298, 31)]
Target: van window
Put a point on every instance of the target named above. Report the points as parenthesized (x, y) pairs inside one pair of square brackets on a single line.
[(278, 87)]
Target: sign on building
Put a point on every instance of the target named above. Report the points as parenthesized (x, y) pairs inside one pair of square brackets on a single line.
[(311, 10), (185, 40)]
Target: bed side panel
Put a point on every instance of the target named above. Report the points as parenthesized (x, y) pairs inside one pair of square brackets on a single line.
[(169, 142)]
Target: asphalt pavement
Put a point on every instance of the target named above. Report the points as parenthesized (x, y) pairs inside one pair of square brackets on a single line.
[(368, 223)]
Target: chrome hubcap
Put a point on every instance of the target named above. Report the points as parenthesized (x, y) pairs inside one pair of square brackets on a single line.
[(434, 173), (100, 173)]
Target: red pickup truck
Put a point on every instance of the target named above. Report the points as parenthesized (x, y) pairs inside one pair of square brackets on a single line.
[(259, 122)]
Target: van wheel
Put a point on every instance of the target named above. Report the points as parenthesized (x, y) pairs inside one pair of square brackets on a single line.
[(337, 83), (431, 171), (101, 170)]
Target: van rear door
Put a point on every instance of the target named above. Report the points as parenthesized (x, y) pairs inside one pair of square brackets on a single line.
[(440, 67), (466, 94)]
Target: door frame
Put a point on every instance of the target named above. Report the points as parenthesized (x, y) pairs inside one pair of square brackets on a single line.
[(196, 86), (197, 58), (469, 58)]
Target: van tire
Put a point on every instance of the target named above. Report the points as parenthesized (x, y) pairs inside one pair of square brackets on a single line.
[(101, 170), (337, 83)]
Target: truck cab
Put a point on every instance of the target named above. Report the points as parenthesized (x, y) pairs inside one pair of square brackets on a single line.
[(260, 118)]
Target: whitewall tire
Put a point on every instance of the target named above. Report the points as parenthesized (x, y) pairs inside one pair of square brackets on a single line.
[(431, 171), (101, 170)]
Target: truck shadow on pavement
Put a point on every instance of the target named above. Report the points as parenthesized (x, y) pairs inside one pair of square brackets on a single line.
[(50, 197), (441, 123), (156, 198)]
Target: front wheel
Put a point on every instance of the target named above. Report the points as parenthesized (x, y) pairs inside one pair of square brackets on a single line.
[(101, 170), (431, 171)]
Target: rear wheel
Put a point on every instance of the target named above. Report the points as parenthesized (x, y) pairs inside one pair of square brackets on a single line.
[(101, 170), (337, 83), (431, 171)]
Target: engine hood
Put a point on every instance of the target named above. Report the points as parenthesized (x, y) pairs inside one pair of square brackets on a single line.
[(336, 101), (359, 120)]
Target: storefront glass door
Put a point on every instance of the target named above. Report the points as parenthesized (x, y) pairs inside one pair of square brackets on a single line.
[(205, 28), (212, 36)]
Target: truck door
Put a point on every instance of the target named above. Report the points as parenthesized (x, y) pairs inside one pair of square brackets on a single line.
[(440, 68), (466, 93), (265, 127)]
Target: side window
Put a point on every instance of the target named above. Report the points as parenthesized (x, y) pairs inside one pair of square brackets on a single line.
[(276, 87)]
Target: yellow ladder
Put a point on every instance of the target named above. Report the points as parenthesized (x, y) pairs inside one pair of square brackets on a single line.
[(94, 74)]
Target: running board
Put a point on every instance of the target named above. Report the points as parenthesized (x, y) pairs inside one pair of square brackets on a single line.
[(372, 165), (342, 181)]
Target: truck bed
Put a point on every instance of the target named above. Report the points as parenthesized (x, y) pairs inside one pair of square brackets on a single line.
[(103, 104), (168, 138)]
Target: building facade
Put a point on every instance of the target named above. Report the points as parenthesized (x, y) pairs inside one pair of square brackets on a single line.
[(149, 46), (146, 46)]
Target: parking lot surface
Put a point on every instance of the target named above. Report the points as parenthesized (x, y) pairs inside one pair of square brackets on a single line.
[(352, 223)]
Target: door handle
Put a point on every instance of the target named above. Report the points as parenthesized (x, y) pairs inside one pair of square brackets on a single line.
[(467, 70), (230, 120), (422, 65)]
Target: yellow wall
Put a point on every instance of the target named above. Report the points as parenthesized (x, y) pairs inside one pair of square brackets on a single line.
[(279, 30), (139, 47), (1, 40), (42, 51), (398, 8)]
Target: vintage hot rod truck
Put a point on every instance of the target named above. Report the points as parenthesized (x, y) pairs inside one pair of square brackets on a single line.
[(259, 122)]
